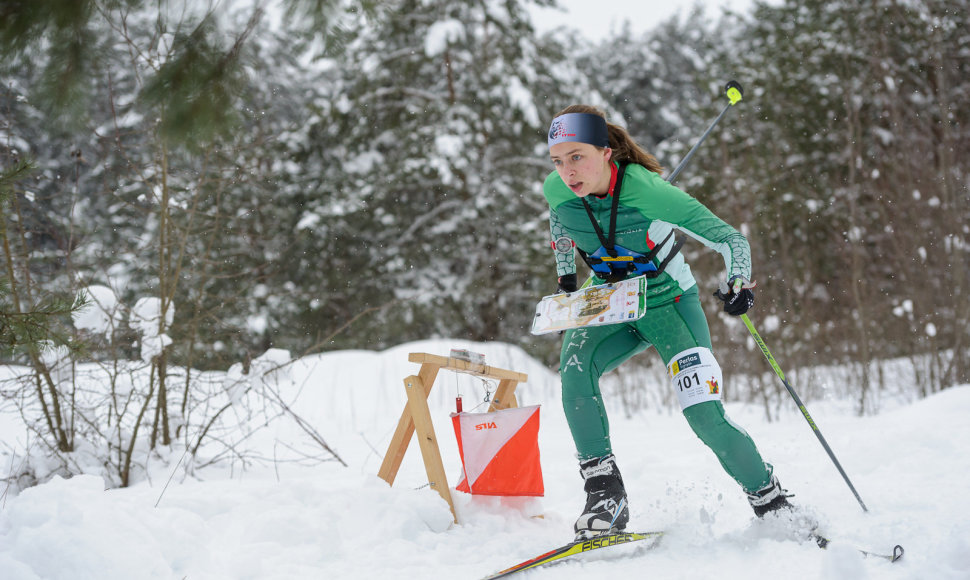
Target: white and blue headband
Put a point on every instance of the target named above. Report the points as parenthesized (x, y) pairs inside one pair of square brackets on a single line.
[(580, 128)]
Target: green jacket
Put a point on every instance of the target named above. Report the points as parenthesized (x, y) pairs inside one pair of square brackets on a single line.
[(649, 208)]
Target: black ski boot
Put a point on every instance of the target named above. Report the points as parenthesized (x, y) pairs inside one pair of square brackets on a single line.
[(769, 498), (606, 506), (771, 505)]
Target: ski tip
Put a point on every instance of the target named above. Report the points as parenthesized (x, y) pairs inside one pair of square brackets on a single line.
[(896, 554)]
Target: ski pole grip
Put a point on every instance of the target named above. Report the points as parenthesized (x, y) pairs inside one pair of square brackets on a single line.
[(734, 92)]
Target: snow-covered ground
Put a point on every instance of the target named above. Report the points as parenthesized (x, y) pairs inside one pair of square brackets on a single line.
[(909, 464)]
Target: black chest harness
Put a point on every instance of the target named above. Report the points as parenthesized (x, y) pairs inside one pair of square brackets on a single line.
[(614, 263)]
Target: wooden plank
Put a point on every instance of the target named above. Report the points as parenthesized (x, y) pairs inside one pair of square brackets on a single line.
[(463, 366), (504, 396), (418, 403), (405, 429)]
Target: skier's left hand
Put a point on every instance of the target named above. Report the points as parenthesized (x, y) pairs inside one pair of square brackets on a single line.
[(737, 295), (568, 283)]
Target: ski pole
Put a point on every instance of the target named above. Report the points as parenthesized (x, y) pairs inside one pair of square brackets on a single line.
[(801, 406), (734, 94)]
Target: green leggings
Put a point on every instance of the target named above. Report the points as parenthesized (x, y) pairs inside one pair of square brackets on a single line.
[(589, 353)]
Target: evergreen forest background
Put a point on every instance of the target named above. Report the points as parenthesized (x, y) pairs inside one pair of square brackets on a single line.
[(317, 175)]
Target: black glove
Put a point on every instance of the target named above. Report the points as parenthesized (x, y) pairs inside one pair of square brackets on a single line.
[(737, 296), (568, 283)]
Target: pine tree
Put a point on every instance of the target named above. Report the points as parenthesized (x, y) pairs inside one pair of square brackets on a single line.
[(164, 169), (845, 152), (433, 145), (27, 318)]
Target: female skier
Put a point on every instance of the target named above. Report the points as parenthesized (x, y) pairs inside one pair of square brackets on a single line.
[(608, 202)]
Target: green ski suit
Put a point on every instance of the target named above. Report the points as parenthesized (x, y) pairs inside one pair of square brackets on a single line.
[(649, 208)]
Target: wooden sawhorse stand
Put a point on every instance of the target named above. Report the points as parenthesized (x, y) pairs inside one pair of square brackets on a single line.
[(417, 417)]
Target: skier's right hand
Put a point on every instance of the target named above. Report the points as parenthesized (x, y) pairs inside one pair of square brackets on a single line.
[(568, 283), (737, 295)]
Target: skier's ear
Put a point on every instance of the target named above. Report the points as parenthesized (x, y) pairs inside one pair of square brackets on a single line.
[(607, 153)]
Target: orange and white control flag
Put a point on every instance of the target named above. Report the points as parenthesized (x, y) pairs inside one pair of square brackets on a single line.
[(500, 452)]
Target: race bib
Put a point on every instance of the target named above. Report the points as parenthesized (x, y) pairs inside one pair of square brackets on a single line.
[(696, 376)]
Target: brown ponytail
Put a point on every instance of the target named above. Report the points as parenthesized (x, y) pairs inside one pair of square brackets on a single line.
[(623, 146)]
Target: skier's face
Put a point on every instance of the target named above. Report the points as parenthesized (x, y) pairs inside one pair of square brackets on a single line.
[(584, 169)]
